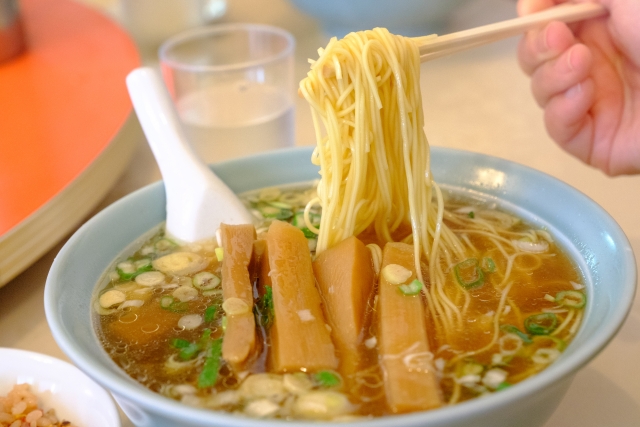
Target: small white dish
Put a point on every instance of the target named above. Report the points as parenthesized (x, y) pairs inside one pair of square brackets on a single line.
[(58, 385)]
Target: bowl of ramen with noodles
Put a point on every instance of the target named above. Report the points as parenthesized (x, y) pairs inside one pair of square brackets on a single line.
[(380, 283), (517, 345)]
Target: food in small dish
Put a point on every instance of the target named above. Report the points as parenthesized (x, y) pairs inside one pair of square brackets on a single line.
[(32, 384), (20, 408)]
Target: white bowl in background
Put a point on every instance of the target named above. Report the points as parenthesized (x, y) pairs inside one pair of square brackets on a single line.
[(409, 18)]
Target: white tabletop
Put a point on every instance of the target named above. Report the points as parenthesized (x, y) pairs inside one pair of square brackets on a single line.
[(478, 101)]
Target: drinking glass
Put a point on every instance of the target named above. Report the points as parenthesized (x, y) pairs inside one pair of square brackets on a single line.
[(232, 85)]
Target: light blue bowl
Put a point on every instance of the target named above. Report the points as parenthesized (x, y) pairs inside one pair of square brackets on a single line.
[(409, 18), (586, 231)]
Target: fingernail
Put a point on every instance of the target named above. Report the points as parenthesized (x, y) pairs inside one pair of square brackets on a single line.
[(573, 91), (543, 44), (570, 59)]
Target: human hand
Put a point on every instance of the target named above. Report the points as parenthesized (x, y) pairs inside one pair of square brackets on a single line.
[(586, 76)]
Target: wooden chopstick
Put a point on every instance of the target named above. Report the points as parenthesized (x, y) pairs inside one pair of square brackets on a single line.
[(436, 47)]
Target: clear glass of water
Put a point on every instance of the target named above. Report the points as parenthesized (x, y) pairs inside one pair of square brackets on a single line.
[(233, 87)]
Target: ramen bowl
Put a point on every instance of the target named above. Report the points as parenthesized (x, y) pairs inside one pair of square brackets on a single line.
[(409, 18), (584, 230)]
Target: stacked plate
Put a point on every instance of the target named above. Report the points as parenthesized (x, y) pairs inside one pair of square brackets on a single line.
[(66, 126)]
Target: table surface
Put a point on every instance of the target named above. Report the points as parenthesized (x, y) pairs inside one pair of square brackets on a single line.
[(478, 101)]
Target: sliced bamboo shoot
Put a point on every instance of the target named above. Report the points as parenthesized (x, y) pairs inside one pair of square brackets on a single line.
[(409, 380), (345, 279), (300, 339), (240, 336)]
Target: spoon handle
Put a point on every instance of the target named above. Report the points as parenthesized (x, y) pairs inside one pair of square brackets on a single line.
[(432, 47), (197, 200)]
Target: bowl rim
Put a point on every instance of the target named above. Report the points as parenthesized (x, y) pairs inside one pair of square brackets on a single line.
[(561, 369)]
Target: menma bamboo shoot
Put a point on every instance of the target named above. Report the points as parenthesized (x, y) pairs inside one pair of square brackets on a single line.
[(300, 338), (409, 379)]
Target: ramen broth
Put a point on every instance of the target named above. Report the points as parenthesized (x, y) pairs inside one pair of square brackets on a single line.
[(518, 302)]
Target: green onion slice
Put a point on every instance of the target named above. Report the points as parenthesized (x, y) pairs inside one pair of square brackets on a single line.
[(412, 288), (472, 368), (503, 385), (511, 329), (487, 265), (270, 211), (327, 378), (164, 245), (554, 342), (205, 280), (189, 352), (179, 343), (174, 306), (298, 221), (469, 274), (209, 374), (166, 301), (571, 299), (280, 205), (128, 270), (210, 313), (265, 307), (541, 324)]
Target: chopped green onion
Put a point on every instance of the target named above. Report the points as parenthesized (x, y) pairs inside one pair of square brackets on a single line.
[(308, 233), (327, 378), (298, 220), (503, 385), (205, 338), (559, 344), (269, 211), (175, 306), (280, 205), (487, 265), (471, 214), (189, 352), (205, 280), (472, 368), (224, 323), (469, 274), (265, 307), (128, 270), (164, 245), (179, 343), (209, 374), (166, 301), (412, 288), (219, 254), (510, 329), (541, 324), (210, 313), (571, 299)]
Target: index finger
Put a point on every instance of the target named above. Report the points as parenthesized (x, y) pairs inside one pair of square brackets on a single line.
[(540, 46)]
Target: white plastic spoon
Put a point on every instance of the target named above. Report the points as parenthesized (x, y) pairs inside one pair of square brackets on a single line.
[(197, 200)]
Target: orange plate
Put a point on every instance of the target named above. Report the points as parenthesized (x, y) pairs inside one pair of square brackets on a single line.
[(61, 102)]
